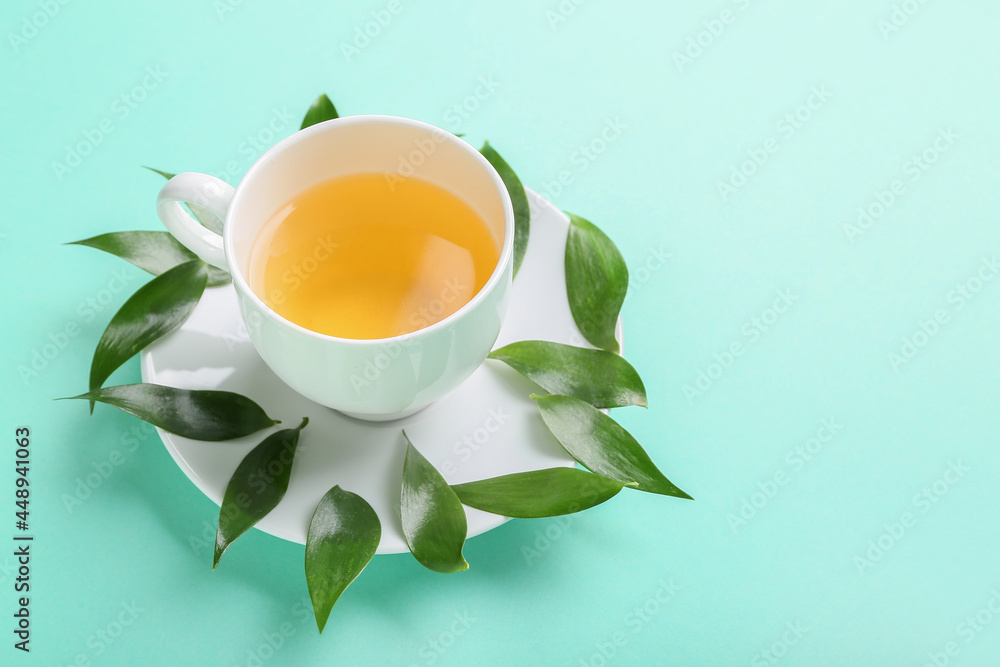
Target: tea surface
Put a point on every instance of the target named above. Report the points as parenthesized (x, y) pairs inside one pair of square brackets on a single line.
[(358, 257)]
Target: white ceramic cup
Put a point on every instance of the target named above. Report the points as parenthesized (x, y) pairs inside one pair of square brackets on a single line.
[(369, 379)]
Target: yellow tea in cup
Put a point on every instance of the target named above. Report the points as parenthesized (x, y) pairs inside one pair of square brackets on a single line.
[(364, 256)]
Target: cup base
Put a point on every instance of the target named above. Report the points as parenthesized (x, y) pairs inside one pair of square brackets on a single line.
[(392, 416)]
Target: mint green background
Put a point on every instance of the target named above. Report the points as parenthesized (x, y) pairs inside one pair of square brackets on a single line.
[(654, 188)]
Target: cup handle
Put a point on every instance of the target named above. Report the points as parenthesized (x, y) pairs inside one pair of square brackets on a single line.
[(206, 191)]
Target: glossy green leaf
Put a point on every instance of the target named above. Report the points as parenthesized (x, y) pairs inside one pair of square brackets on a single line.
[(601, 378), (199, 414), (344, 533), (434, 523), (207, 219), (596, 282), (519, 199), (539, 493), (600, 443), (256, 487), (155, 252), (156, 309), (320, 110)]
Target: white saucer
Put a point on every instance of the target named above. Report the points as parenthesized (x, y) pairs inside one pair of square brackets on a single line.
[(487, 427)]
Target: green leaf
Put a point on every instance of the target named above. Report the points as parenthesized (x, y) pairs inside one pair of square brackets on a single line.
[(320, 110), (156, 309), (155, 252), (257, 486), (344, 533), (207, 219), (600, 443), (522, 212), (596, 281), (601, 378), (434, 523), (199, 414), (539, 493), (165, 174)]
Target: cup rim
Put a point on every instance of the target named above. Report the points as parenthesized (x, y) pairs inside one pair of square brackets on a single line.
[(506, 250)]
